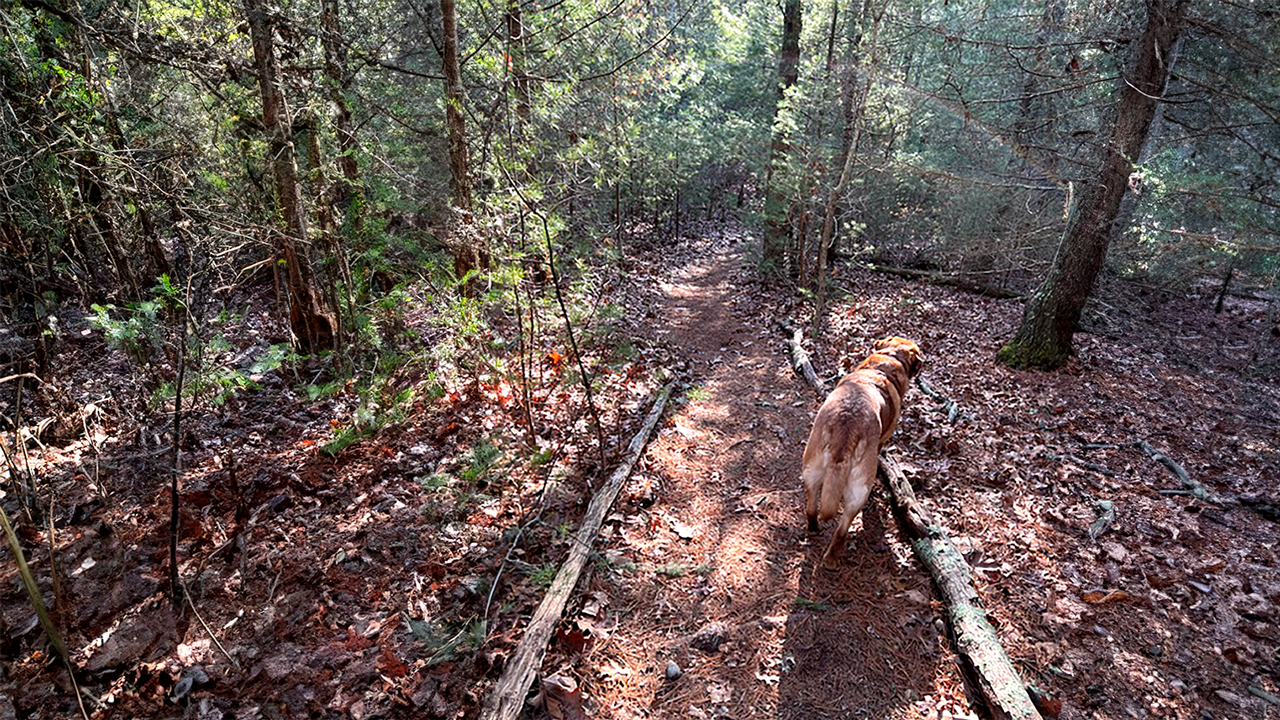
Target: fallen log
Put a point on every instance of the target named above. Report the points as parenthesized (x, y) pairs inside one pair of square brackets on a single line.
[(975, 639), (800, 360), (508, 695), (937, 278)]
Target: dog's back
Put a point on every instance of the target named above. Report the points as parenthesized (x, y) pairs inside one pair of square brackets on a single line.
[(844, 434), (856, 419)]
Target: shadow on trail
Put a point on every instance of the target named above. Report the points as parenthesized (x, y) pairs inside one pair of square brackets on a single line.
[(857, 645)]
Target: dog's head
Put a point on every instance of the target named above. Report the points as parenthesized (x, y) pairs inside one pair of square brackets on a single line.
[(904, 351)]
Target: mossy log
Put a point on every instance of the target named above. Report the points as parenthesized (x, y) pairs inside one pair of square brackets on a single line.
[(976, 641)]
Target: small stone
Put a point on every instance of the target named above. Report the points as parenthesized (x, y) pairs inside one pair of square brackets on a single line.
[(1230, 697), (673, 670)]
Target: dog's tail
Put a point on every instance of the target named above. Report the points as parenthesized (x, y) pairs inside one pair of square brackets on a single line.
[(833, 471)]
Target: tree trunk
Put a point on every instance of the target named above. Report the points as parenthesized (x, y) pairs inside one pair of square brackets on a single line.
[(459, 166), (775, 203), (467, 257), (515, 51), (857, 85), (346, 191), (1053, 312), (309, 319)]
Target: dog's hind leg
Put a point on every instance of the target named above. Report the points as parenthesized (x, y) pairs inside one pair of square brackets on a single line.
[(856, 490), (811, 509), (815, 472)]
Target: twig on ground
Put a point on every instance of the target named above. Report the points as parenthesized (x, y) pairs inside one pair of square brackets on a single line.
[(1100, 469), (187, 594), (1106, 516), (1191, 487), (1258, 692), (953, 410)]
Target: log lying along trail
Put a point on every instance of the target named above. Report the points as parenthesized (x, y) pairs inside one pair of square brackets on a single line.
[(507, 698)]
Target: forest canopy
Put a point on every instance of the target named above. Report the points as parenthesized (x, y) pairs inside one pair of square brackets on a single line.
[(952, 136)]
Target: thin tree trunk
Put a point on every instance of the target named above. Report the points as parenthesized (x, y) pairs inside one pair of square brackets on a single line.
[(309, 319), (515, 50), (347, 191), (775, 204), (857, 85), (807, 200), (466, 256), (459, 167), (1053, 313)]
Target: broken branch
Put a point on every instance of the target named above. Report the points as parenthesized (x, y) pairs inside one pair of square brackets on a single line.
[(953, 410), (1193, 488), (800, 360)]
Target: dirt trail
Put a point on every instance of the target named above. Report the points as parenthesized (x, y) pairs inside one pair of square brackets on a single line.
[(718, 577)]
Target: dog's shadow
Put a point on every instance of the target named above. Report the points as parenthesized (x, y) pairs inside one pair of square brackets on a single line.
[(860, 642)]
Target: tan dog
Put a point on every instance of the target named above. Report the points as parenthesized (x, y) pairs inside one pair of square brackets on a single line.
[(852, 425)]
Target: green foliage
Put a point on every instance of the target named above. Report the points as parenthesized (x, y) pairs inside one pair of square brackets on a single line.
[(542, 575), (814, 605), (481, 460), (381, 404), (445, 641), (135, 329)]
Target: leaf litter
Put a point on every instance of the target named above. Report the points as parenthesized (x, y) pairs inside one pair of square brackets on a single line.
[(378, 583)]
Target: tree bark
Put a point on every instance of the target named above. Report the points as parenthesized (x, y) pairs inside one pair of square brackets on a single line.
[(1053, 314), (346, 191), (309, 319), (467, 257), (459, 167), (776, 223)]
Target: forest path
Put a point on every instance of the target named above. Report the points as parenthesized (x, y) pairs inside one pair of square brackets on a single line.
[(718, 577)]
